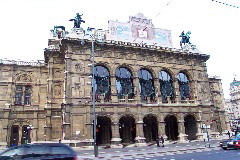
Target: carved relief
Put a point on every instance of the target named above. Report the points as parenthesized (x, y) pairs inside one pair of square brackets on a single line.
[(200, 76), (24, 78), (78, 86), (150, 109), (58, 90), (58, 60), (102, 109), (78, 67)]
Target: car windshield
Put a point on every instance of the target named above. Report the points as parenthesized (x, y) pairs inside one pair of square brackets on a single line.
[(13, 152)]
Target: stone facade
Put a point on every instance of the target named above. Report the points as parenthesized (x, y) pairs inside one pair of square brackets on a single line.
[(55, 96), (61, 105)]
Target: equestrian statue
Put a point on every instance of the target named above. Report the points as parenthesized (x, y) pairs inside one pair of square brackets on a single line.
[(185, 38)]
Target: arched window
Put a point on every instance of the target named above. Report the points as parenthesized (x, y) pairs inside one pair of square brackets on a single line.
[(102, 82), (146, 85), (124, 83), (166, 85), (184, 88)]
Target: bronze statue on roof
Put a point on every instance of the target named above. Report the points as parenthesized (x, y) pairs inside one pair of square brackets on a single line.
[(77, 20), (185, 38)]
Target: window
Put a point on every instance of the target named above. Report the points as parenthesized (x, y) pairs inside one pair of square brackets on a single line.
[(166, 85), (102, 82), (124, 83), (146, 85), (23, 95), (184, 88)]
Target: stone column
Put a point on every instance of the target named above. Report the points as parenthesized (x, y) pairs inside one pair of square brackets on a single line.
[(6, 128), (136, 89), (88, 132), (66, 122), (116, 140), (199, 123), (176, 90), (35, 126), (114, 89), (156, 88), (182, 137), (47, 127), (140, 139)]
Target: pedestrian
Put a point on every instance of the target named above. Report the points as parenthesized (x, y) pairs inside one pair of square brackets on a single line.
[(158, 141), (162, 140), (228, 134)]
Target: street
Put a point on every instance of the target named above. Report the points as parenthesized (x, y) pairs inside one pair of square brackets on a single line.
[(183, 151), (206, 155)]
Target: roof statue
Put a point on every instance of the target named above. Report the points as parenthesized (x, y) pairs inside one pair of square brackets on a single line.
[(185, 38), (77, 20)]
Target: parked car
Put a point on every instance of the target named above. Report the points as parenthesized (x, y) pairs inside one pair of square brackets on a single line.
[(237, 145), (39, 151), (232, 142)]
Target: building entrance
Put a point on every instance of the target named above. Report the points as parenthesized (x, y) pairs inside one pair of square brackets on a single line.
[(127, 129), (14, 135), (171, 128), (150, 128), (190, 127), (104, 132)]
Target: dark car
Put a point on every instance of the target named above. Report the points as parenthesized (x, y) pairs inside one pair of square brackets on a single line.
[(230, 143), (40, 151)]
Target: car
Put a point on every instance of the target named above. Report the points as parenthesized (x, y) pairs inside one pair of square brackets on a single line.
[(39, 151), (232, 143), (237, 144)]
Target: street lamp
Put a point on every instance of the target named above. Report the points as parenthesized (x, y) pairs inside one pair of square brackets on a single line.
[(94, 31), (29, 128)]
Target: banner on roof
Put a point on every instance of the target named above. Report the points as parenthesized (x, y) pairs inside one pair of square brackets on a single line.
[(139, 29)]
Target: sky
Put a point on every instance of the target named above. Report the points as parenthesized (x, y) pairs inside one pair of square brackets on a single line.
[(25, 26)]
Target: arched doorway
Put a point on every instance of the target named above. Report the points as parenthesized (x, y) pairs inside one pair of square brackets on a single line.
[(127, 129), (150, 128), (104, 132), (14, 138), (171, 128), (190, 127)]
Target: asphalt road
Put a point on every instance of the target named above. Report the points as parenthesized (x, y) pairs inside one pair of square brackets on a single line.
[(207, 155)]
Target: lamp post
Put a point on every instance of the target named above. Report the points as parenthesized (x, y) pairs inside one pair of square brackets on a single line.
[(94, 92), (29, 128)]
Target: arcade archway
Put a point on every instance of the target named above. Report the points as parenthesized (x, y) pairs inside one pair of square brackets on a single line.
[(190, 127), (150, 128), (127, 129), (104, 132), (171, 128)]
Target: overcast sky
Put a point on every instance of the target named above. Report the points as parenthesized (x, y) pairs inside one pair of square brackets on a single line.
[(25, 26)]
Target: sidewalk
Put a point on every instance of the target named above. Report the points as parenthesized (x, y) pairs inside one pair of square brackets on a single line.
[(148, 151)]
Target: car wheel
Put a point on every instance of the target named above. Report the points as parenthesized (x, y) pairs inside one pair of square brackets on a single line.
[(224, 148)]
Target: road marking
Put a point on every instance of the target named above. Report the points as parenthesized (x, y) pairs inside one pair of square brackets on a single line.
[(117, 151), (176, 146), (130, 150), (143, 149)]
